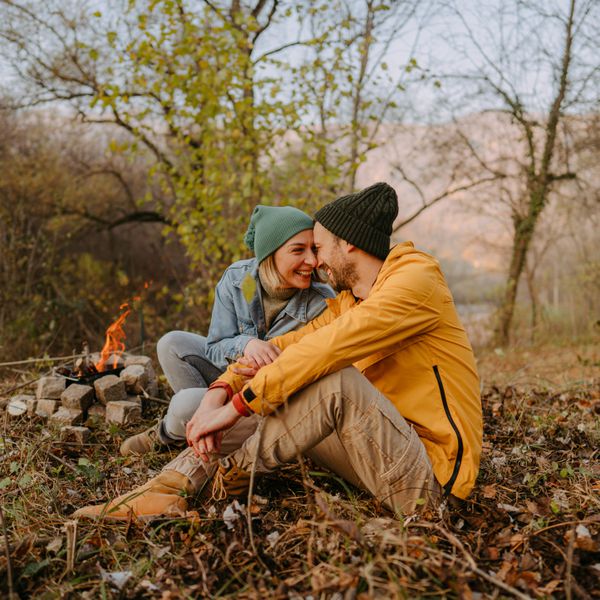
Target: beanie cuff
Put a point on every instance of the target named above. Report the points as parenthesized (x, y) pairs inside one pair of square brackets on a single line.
[(354, 231), (272, 226)]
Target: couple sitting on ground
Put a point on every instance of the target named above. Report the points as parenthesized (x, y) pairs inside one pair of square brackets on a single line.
[(377, 384)]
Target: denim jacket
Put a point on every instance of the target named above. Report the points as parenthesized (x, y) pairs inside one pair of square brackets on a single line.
[(234, 321)]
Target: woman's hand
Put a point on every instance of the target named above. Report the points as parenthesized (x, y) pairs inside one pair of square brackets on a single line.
[(205, 433), (261, 353), (246, 368)]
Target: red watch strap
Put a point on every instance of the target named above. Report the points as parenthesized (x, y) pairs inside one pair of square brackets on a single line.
[(241, 406), (222, 384)]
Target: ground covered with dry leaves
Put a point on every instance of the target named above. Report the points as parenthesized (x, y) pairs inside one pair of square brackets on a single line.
[(530, 529)]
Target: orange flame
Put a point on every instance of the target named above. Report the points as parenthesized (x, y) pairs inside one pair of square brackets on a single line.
[(114, 340)]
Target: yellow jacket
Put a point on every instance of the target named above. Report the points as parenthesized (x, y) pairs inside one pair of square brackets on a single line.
[(407, 339)]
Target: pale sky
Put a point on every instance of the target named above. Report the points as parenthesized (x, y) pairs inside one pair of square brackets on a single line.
[(429, 46)]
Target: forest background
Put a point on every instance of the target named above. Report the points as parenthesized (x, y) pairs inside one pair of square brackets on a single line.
[(136, 137)]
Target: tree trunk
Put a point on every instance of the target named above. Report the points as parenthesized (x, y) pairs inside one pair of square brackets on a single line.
[(524, 229), (530, 277), (539, 188)]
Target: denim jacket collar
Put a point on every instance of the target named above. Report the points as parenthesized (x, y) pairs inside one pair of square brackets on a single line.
[(296, 308), (252, 268)]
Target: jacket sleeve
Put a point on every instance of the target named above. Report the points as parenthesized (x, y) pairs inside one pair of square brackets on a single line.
[(406, 305), (236, 382), (224, 342)]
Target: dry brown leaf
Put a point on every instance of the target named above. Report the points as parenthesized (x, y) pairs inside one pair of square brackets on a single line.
[(587, 544), (529, 579), (527, 562), (345, 526), (414, 544), (532, 507), (516, 540), (583, 538), (505, 568), (325, 577), (550, 587), (489, 492)]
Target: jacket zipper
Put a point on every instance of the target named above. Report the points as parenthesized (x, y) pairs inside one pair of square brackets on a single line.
[(459, 454)]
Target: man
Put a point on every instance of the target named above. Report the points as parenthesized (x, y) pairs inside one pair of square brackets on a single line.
[(381, 387)]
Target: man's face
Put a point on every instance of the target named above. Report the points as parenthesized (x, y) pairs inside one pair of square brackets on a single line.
[(333, 258)]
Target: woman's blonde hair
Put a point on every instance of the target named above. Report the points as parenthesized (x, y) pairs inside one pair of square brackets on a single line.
[(269, 274)]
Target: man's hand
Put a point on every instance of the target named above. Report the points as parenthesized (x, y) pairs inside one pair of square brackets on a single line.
[(205, 429), (261, 353), (213, 400)]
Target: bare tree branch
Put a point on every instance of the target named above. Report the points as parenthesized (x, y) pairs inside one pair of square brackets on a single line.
[(280, 49), (425, 204), (143, 216)]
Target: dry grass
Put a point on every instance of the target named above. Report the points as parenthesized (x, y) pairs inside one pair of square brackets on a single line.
[(531, 528)]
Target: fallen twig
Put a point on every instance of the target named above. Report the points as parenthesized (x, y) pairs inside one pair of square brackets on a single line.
[(64, 462), (569, 571), (31, 361), (471, 561), (155, 399), (22, 385), (258, 433), (33, 542), (9, 574), (565, 524), (491, 579), (71, 531)]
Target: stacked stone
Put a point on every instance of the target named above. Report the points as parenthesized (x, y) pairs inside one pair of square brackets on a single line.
[(115, 399)]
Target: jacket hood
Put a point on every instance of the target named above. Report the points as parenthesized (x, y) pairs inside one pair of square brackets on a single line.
[(396, 253)]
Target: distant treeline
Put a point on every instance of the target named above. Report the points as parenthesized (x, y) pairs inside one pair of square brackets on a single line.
[(136, 137)]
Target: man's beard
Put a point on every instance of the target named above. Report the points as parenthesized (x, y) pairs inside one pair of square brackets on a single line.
[(343, 276)]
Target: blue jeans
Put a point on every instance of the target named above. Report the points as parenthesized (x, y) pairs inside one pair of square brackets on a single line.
[(182, 356)]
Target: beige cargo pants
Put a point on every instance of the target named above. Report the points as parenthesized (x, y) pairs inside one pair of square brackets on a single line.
[(343, 423)]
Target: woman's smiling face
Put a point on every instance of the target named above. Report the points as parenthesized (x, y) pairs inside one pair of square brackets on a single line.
[(295, 260)]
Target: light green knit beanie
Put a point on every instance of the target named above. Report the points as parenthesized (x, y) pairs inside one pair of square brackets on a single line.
[(272, 226)]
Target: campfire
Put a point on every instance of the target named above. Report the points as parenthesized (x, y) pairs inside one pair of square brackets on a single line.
[(90, 367), (111, 385)]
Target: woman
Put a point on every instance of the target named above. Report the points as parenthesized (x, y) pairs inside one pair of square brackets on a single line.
[(255, 300)]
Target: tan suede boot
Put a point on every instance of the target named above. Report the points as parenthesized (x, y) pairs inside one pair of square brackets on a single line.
[(161, 496), (142, 443), (230, 480)]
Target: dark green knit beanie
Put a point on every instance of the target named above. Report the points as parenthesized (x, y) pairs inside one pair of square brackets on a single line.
[(364, 219), (272, 226)]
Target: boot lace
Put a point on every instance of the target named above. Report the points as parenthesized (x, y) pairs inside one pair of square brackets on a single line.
[(219, 488)]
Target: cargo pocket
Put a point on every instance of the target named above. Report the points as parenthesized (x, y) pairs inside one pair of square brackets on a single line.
[(409, 460), (374, 443), (408, 483)]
